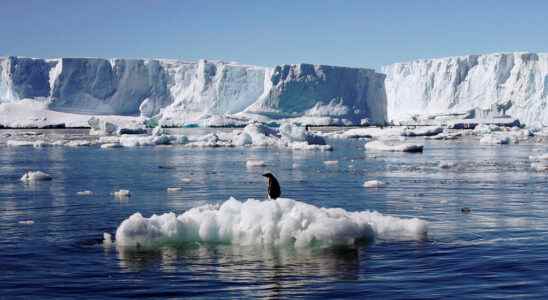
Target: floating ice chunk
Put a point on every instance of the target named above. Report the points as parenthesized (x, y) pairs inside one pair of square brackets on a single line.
[(492, 139), (135, 141), (101, 127), (108, 140), (26, 222), (122, 194), (482, 129), (35, 176), (296, 165), (280, 222), (107, 239), (59, 143), (374, 184), (405, 147), (84, 193), (331, 162), (159, 131), (445, 136), (422, 131), (173, 189), (373, 132), (78, 143), (252, 163), (111, 145), (306, 146), (292, 133), (186, 179), (16, 143)]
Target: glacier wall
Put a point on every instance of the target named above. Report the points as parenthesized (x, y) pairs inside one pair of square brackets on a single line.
[(514, 84), (179, 92), (319, 91)]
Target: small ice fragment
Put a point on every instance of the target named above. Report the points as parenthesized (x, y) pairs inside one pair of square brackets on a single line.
[(35, 176), (122, 193), (26, 222), (296, 165), (107, 239), (173, 189), (111, 145), (331, 162), (78, 143), (84, 193), (186, 179), (404, 147), (255, 163), (374, 184)]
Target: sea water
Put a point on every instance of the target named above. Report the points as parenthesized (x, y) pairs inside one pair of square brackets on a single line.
[(486, 211)]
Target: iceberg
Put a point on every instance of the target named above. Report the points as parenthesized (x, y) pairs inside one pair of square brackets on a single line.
[(269, 222)]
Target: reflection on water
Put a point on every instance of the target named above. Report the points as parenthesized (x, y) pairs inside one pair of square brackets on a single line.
[(279, 267)]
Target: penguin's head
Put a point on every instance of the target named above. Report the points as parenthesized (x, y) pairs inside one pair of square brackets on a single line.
[(268, 175)]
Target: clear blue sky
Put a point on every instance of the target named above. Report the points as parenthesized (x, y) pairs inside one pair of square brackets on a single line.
[(352, 33)]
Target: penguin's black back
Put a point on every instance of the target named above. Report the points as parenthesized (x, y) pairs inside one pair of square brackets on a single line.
[(274, 190)]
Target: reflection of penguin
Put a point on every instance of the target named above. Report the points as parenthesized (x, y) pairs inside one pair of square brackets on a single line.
[(274, 190)]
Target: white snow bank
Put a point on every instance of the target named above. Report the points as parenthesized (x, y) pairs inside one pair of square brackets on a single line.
[(27, 113), (279, 222), (404, 147), (35, 176)]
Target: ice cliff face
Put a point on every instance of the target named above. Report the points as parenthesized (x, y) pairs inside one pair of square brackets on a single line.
[(514, 84), (179, 92), (319, 91)]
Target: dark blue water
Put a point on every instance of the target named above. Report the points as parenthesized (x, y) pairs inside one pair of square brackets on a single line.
[(498, 250)]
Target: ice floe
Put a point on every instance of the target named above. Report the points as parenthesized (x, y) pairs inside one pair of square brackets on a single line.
[(402, 147), (269, 222), (122, 194), (374, 184), (253, 163), (31, 176)]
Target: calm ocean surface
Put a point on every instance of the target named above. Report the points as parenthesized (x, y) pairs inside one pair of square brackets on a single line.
[(498, 250)]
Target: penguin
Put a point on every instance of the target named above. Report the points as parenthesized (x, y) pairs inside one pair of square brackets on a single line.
[(274, 191)]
